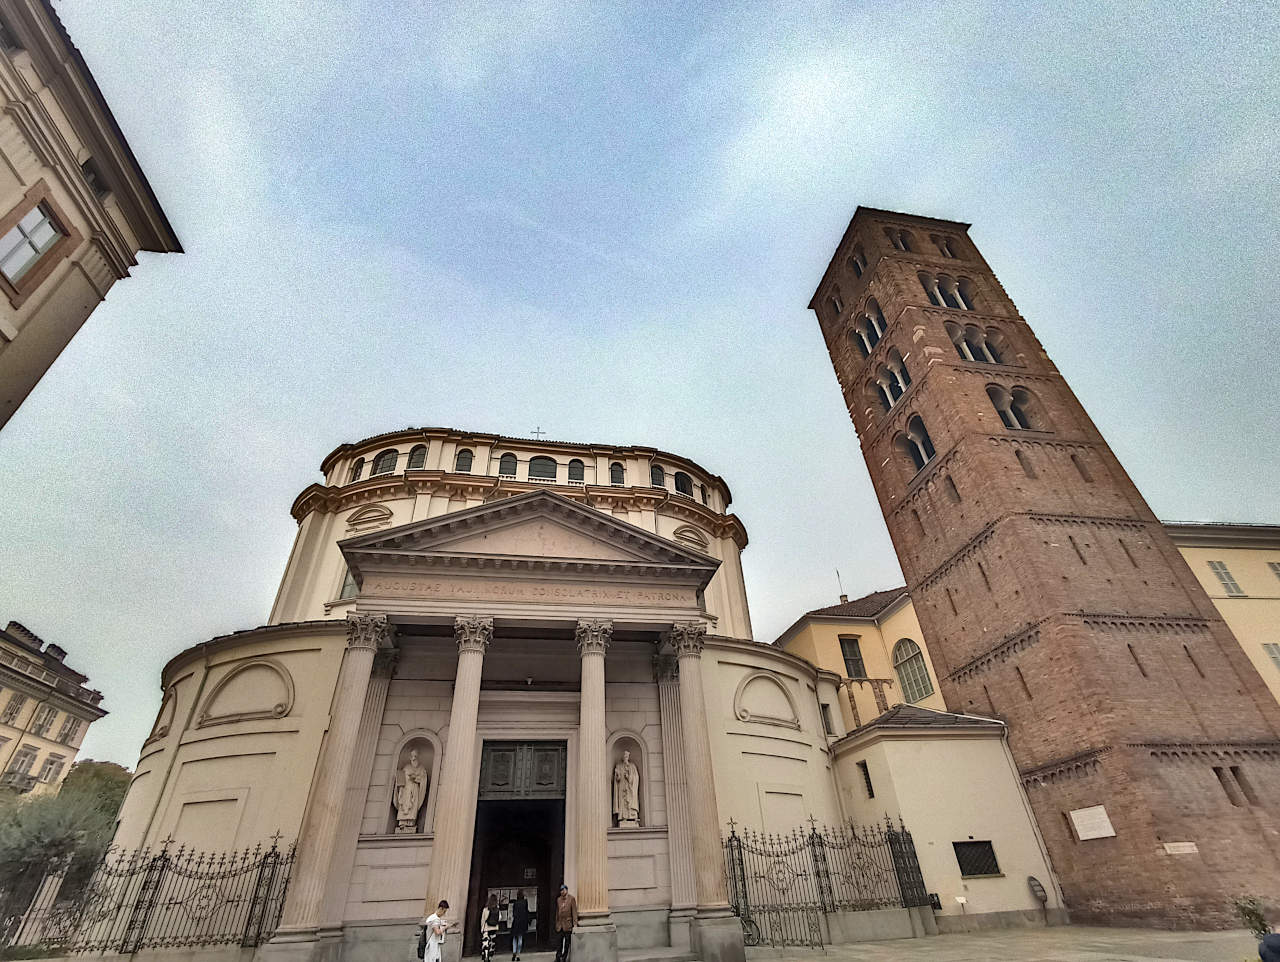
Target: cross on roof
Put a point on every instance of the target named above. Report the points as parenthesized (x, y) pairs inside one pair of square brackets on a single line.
[(538, 432)]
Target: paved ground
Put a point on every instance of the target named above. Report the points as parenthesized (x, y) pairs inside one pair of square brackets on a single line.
[(1067, 943)]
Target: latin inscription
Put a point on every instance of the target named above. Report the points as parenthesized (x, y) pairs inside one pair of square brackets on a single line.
[(483, 589)]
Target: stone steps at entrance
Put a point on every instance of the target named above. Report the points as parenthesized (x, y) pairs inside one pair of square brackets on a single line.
[(658, 954)]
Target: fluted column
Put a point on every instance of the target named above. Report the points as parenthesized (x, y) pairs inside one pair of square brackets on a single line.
[(675, 781), (708, 862), (449, 856), (375, 702), (592, 813), (317, 839)]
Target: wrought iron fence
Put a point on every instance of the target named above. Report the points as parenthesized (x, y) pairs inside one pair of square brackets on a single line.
[(160, 899), (780, 885)]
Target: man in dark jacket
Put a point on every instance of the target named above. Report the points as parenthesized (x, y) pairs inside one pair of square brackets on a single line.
[(1269, 948), (566, 919), (519, 924)]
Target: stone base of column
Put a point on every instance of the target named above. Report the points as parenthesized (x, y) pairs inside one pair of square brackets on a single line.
[(594, 940), (303, 945), (717, 937), (679, 924)]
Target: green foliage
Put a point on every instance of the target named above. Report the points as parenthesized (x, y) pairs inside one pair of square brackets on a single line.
[(104, 782), (1251, 912), (42, 834)]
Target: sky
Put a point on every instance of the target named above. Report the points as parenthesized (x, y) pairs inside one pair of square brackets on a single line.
[(606, 221)]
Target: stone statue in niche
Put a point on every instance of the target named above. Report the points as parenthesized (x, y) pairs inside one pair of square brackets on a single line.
[(411, 791), (626, 792)]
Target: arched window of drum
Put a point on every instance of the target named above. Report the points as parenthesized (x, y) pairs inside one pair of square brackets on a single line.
[(902, 240), (657, 477), (507, 466), (576, 470), (617, 473), (684, 484), (913, 673), (542, 468), (417, 457), (944, 244), (859, 340), (993, 344), (947, 288), (930, 285), (920, 438), (875, 317), (965, 294), (462, 463), (357, 469), (702, 489), (857, 262), (877, 394), (897, 369), (385, 462)]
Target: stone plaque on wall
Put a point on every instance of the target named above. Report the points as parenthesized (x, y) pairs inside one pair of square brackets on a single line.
[(1092, 823)]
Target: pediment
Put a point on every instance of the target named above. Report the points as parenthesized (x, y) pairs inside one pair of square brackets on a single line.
[(537, 527)]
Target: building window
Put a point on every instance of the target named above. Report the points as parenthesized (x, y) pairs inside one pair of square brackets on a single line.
[(349, 586), (70, 728), (16, 701), (684, 484), (866, 779), (902, 240), (27, 241), (51, 768), (417, 457), (946, 247), (702, 489), (577, 470), (857, 262), (462, 463), (23, 759), (1275, 567), (385, 463), (973, 343), (43, 721), (828, 726), (357, 469), (1219, 568), (617, 473), (542, 468), (93, 177), (915, 443), (913, 674), (976, 859), (507, 466), (851, 651), (1273, 652), (1016, 408), (657, 477)]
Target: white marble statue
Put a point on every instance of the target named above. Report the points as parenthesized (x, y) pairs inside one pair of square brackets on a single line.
[(409, 794), (626, 792)]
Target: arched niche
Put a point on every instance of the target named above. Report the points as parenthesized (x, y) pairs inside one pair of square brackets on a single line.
[(621, 742), (164, 717), (253, 690), (762, 698), (427, 747)]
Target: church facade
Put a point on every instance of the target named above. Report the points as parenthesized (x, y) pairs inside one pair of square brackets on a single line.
[(497, 664)]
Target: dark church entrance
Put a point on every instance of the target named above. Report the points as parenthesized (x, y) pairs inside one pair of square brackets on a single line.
[(519, 840)]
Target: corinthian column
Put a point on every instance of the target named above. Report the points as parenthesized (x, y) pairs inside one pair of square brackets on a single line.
[(708, 861), (318, 837), (593, 778), (675, 783), (449, 856)]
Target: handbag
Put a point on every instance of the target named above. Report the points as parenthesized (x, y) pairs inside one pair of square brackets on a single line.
[(422, 942)]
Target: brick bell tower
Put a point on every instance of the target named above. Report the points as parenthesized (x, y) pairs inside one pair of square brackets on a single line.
[(1048, 592)]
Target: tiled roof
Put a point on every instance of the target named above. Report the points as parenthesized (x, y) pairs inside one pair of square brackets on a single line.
[(868, 606), (909, 716)]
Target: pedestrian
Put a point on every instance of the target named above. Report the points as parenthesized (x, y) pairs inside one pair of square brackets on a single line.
[(1269, 948), (490, 922), (519, 924), (566, 919), (431, 935)]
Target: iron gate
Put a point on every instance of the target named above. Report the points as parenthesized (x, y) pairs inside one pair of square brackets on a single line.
[(780, 885), (151, 899)]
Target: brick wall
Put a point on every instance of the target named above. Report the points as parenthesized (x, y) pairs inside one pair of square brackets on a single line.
[(1050, 596)]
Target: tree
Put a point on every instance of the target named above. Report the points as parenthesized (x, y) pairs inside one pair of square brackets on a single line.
[(104, 782)]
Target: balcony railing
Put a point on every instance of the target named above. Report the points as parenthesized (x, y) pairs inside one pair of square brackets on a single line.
[(18, 781)]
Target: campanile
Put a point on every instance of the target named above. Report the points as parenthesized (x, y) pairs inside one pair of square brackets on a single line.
[(1048, 592)]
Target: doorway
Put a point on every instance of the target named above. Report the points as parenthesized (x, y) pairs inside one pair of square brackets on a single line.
[(519, 840)]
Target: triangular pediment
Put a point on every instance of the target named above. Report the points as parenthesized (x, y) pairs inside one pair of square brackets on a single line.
[(537, 527)]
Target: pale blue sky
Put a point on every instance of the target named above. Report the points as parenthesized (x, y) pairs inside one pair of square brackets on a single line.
[(607, 220)]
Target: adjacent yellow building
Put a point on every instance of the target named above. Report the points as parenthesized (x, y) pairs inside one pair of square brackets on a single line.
[(874, 643), (45, 711)]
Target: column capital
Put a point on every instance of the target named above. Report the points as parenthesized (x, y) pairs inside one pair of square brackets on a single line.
[(473, 633), (666, 666), (369, 631), (688, 637), (593, 635)]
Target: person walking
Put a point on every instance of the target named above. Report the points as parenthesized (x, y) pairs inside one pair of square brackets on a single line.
[(490, 922), (431, 936), (519, 924), (566, 919)]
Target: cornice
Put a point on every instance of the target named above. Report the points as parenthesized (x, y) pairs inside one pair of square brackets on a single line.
[(1212, 534), (1081, 763), (335, 498), (321, 626), (35, 688)]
